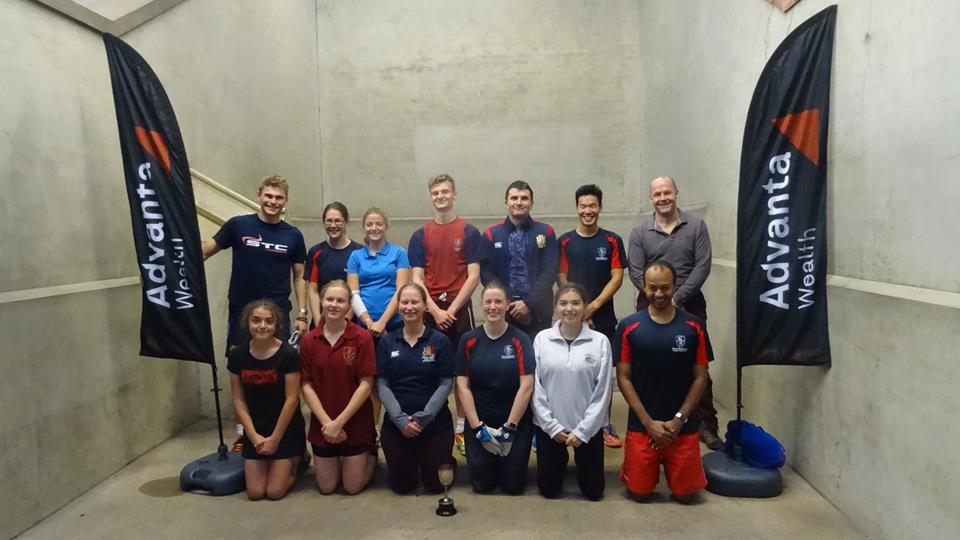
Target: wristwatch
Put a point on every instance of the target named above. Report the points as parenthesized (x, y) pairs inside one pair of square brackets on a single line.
[(679, 416), (510, 425), (302, 311)]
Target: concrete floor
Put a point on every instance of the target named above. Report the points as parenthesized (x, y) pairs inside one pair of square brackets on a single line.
[(143, 500)]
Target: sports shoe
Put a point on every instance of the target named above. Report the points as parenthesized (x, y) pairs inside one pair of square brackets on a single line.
[(711, 439), (237, 445), (461, 445), (610, 437)]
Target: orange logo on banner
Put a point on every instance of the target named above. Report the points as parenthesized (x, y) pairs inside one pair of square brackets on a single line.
[(802, 129), (154, 144)]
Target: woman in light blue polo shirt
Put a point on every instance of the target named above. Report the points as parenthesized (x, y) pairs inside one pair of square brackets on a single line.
[(374, 274)]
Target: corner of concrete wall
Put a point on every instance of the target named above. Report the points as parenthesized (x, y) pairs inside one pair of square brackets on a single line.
[(78, 403), (870, 432)]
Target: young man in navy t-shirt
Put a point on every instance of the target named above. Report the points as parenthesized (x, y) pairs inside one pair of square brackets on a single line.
[(267, 253), (662, 355), (594, 258)]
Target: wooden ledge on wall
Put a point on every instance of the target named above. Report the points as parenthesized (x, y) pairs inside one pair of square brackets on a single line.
[(784, 5)]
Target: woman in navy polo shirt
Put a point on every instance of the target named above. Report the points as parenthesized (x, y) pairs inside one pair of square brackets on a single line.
[(374, 275), (495, 365), (414, 378), (265, 379)]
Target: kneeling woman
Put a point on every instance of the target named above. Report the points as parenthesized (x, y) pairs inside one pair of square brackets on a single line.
[(265, 380), (495, 365), (338, 370), (570, 397), (414, 378)]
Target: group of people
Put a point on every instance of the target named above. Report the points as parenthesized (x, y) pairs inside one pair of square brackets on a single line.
[(383, 328)]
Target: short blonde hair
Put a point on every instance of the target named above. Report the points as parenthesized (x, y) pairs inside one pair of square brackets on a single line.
[(441, 178), (275, 181)]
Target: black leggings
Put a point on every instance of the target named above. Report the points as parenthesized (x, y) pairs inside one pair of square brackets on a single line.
[(552, 460), (410, 460)]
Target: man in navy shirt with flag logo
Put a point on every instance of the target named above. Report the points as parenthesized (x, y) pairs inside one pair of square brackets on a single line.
[(523, 255)]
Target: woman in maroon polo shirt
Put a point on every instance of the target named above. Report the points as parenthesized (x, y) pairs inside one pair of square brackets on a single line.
[(339, 364)]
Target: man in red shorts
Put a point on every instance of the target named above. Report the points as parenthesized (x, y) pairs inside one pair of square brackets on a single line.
[(662, 371)]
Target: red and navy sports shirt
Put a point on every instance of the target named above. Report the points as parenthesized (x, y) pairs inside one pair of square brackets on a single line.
[(661, 359), (444, 251), (587, 261), (325, 264), (494, 367)]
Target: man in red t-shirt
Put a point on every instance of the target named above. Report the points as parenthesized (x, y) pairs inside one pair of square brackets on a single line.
[(445, 255)]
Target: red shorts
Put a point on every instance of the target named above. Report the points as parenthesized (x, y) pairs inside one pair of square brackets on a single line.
[(681, 461)]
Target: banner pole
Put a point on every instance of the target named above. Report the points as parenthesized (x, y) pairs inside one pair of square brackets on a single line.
[(739, 402), (222, 449)]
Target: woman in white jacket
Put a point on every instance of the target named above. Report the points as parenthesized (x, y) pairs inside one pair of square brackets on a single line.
[(571, 391)]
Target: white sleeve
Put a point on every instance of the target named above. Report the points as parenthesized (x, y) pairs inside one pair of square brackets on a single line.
[(595, 417), (542, 415), (357, 304)]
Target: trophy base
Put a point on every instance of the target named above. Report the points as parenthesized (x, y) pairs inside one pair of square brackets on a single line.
[(446, 508)]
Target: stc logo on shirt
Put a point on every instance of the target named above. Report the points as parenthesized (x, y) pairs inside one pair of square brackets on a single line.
[(497, 245), (256, 242), (681, 342), (508, 353), (458, 245)]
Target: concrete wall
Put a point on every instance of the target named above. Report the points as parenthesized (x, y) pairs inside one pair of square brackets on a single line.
[(486, 91), (871, 433), (362, 101), (77, 402)]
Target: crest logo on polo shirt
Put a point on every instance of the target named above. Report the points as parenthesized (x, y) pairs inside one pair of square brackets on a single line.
[(541, 241), (681, 342), (508, 353), (349, 354), (458, 245), (601, 254), (429, 354)]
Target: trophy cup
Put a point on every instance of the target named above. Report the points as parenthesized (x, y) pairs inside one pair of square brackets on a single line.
[(445, 474)]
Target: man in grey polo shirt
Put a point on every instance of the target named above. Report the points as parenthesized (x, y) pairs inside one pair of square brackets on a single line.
[(683, 241)]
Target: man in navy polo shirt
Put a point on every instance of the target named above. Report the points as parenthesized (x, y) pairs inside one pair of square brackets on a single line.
[(662, 355), (523, 255), (267, 253), (594, 258)]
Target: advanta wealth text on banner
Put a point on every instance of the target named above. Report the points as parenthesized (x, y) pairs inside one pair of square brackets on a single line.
[(781, 221)]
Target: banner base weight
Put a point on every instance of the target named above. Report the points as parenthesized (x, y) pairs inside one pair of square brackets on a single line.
[(731, 478), (220, 473)]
